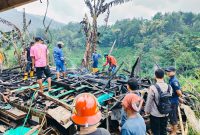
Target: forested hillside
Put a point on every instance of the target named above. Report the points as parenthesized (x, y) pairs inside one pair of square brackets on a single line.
[(166, 39), (16, 17)]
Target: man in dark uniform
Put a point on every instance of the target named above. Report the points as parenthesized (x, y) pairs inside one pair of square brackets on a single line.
[(28, 62), (176, 94)]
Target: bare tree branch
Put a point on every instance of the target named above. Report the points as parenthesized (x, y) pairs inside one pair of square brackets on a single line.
[(11, 25)]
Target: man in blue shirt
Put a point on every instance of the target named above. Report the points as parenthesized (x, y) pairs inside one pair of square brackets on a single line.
[(135, 124), (95, 60), (59, 59), (173, 81)]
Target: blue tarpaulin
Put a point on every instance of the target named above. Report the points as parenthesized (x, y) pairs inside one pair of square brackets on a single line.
[(19, 131)]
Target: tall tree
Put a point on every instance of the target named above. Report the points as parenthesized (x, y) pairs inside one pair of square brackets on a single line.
[(98, 7)]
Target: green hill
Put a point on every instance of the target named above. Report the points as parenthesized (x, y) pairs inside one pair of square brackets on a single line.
[(16, 18)]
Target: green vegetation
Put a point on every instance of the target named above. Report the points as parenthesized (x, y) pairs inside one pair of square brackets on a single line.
[(167, 39)]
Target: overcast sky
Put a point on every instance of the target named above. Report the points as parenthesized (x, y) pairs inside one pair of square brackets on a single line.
[(73, 10)]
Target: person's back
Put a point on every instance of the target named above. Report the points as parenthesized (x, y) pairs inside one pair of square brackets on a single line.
[(154, 92), (39, 51), (96, 56), (112, 60), (134, 126), (57, 52), (28, 57), (158, 104), (100, 131)]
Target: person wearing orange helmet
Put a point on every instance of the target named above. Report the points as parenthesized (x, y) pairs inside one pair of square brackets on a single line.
[(135, 124), (86, 115)]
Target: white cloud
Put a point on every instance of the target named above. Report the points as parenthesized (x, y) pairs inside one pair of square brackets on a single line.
[(73, 10)]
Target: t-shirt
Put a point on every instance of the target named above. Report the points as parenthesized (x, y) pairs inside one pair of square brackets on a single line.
[(175, 86), (58, 55), (100, 131), (95, 57), (134, 126), (39, 52)]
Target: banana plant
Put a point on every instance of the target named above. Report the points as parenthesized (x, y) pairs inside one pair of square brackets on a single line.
[(98, 7)]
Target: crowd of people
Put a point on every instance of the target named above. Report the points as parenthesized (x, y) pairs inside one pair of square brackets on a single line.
[(161, 104)]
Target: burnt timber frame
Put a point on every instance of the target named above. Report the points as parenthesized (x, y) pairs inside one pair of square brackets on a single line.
[(9, 4)]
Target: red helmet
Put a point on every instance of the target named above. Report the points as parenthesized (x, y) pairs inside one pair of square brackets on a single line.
[(86, 111)]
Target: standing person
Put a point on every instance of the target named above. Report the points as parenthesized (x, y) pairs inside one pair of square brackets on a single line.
[(135, 124), (112, 63), (28, 62), (39, 55), (1, 61), (86, 115), (158, 119), (173, 81), (59, 59), (131, 86), (95, 60)]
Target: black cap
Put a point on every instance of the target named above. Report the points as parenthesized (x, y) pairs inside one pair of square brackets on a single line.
[(38, 39), (105, 54), (170, 69)]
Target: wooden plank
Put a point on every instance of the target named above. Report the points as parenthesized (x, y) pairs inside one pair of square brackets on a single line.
[(61, 115), (13, 113), (7, 121), (49, 97), (65, 93), (55, 90), (9, 4)]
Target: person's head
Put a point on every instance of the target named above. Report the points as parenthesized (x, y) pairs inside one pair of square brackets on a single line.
[(170, 71), (159, 74), (39, 40), (132, 84), (105, 55), (130, 103), (86, 110), (32, 43), (60, 44)]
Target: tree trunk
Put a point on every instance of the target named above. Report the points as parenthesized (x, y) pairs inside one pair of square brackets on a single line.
[(87, 55), (94, 46)]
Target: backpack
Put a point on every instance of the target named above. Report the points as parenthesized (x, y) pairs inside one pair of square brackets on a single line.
[(164, 103)]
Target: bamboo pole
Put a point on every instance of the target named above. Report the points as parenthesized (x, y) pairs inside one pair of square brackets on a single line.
[(181, 121)]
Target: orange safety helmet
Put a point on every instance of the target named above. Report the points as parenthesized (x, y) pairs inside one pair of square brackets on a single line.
[(86, 111)]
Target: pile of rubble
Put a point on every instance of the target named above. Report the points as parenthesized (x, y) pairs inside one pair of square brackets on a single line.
[(49, 112)]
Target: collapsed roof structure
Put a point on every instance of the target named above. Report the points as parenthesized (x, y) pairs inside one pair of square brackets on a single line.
[(9, 4)]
